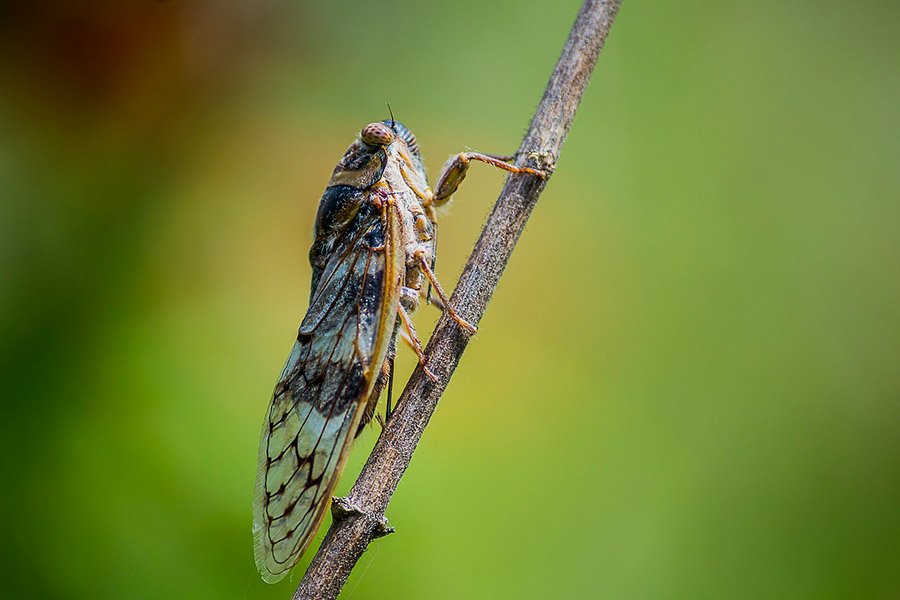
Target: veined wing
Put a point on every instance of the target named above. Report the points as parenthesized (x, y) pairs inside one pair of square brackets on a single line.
[(319, 399)]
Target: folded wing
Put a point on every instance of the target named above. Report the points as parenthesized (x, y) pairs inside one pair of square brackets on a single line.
[(318, 401)]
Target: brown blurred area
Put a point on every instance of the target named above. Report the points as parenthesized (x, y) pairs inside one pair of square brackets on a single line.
[(104, 105)]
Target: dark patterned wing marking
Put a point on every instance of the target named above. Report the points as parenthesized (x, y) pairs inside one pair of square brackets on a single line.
[(319, 399)]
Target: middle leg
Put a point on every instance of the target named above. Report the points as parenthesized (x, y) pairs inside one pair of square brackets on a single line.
[(414, 341)]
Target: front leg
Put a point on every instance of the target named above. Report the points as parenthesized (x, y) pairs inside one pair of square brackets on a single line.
[(454, 172)]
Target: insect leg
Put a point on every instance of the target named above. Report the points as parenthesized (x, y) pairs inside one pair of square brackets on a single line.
[(424, 194), (429, 275), (384, 377), (390, 392), (414, 340), (405, 337), (434, 301), (454, 172), (433, 259)]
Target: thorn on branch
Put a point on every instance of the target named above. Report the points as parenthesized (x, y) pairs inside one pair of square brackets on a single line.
[(342, 509), (542, 160), (383, 529)]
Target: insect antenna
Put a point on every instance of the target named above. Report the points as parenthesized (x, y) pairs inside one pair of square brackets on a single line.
[(391, 113)]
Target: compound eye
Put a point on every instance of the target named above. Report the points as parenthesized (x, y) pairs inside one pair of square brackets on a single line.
[(376, 134)]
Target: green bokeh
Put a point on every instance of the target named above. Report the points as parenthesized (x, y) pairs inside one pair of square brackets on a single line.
[(687, 384)]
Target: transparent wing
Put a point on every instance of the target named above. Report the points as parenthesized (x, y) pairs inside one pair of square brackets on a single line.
[(319, 399)]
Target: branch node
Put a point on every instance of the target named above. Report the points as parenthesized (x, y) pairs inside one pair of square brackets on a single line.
[(542, 160), (383, 528), (342, 508)]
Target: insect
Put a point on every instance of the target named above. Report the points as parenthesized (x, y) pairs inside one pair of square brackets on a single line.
[(374, 248)]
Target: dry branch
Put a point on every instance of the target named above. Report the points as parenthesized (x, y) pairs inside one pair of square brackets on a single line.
[(359, 518)]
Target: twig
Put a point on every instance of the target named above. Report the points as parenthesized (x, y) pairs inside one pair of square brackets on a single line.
[(359, 518)]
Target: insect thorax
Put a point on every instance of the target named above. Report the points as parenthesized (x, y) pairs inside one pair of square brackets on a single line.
[(363, 182)]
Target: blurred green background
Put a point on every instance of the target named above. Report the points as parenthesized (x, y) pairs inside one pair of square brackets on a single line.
[(688, 382)]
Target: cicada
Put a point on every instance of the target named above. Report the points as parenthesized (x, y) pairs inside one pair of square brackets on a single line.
[(373, 251)]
